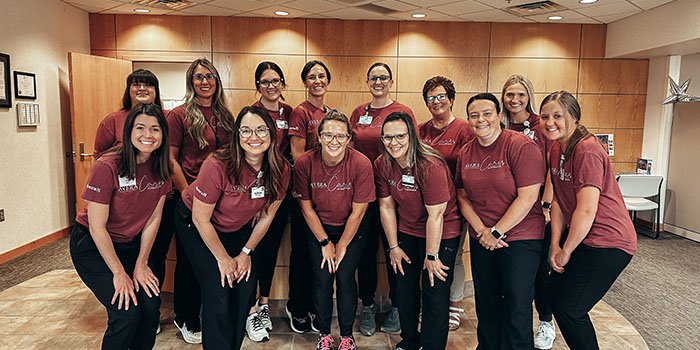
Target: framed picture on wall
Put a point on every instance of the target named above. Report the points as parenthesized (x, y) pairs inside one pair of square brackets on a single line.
[(25, 85), (5, 98)]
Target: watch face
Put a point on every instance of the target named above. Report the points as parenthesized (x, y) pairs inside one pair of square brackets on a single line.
[(431, 257), (496, 234)]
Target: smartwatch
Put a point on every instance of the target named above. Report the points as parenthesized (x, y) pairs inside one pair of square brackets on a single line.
[(431, 257), (497, 234), (324, 242), (246, 250), (546, 205)]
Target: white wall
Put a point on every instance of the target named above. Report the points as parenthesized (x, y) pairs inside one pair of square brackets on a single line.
[(35, 172)]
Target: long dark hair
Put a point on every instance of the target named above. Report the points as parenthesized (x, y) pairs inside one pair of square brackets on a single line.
[(273, 164), (419, 153), (262, 67), (140, 76), (128, 152), (569, 103)]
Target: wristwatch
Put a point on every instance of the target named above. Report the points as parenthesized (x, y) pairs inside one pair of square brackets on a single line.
[(246, 250), (497, 234), (431, 257), (324, 242), (546, 205)]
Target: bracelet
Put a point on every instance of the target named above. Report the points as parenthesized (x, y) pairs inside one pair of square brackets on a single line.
[(546, 205), (394, 247)]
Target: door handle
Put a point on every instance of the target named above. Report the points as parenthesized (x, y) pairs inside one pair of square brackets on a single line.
[(81, 146)]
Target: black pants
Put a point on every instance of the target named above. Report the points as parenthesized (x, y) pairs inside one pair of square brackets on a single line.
[(542, 279), (187, 293), (503, 289), (224, 309), (344, 278), (435, 300), (300, 272), (586, 278), (126, 329), (266, 252), (165, 235), (367, 269)]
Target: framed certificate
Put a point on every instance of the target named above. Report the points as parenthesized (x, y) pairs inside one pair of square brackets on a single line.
[(25, 85), (5, 98)]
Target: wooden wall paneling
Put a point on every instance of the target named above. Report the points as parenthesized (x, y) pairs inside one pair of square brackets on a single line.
[(551, 40), (349, 73), (237, 99), (467, 74), (628, 144), (613, 76), (633, 76), (102, 32), (624, 167), (163, 56), (345, 101), (238, 70), (612, 111), (364, 38), (104, 53), (444, 39), (414, 100), (280, 283), (163, 33), (258, 35), (546, 74), (593, 38)]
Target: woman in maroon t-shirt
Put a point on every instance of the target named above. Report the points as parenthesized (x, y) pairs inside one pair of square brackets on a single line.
[(112, 238), (601, 239), (366, 121), (198, 127), (217, 222), (334, 186), (447, 134), (418, 210), (498, 179)]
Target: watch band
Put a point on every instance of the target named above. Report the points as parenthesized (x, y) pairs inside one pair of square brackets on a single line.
[(546, 205), (497, 234), (246, 250), (431, 257), (324, 242)]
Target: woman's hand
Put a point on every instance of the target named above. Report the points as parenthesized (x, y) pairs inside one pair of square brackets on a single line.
[(123, 291), (547, 216), (340, 251), (554, 250), (227, 270), (396, 255), (488, 241), (144, 277), (243, 266), (435, 269), (558, 259), (328, 253)]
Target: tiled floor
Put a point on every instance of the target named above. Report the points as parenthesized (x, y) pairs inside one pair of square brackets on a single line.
[(56, 311)]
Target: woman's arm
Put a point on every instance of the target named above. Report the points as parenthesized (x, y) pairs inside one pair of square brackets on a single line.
[(142, 273), (581, 222), (351, 226), (483, 233), (517, 211), (297, 146), (243, 261), (433, 236), (387, 215), (123, 286), (178, 176), (201, 218), (316, 227), (557, 225), (548, 196)]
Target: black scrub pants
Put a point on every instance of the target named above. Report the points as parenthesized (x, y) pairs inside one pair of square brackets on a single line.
[(161, 245), (586, 278), (344, 278), (126, 329), (367, 269), (187, 292), (435, 300), (224, 309), (542, 280), (503, 289), (300, 271)]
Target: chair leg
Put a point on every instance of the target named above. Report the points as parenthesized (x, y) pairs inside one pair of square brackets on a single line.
[(657, 223)]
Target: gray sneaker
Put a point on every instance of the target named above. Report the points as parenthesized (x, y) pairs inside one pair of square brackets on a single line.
[(391, 323), (367, 324)]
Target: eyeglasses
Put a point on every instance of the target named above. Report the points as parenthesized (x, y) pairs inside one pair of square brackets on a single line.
[(400, 138), (208, 76), (440, 97), (141, 85), (260, 131), (266, 83), (382, 78), (329, 136)]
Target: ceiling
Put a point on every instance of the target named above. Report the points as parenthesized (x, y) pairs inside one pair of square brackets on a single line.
[(602, 11)]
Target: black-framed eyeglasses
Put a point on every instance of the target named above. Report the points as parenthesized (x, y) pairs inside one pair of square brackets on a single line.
[(400, 138), (439, 97), (261, 132), (329, 136), (208, 76), (274, 82), (382, 78)]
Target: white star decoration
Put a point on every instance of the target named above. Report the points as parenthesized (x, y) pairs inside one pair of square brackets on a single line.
[(679, 93)]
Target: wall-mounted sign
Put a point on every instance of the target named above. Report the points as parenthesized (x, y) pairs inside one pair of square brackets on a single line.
[(25, 85)]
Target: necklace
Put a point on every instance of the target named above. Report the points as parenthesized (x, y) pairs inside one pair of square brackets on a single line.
[(325, 170)]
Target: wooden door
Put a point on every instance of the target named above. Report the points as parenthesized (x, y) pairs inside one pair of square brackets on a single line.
[(96, 89)]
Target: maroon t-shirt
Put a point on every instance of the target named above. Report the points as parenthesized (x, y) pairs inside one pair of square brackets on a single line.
[(492, 175), (110, 131), (190, 156), (281, 119), (448, 140), (589, 165), (412, 199), (131, 201), (304, 121), (367, 123), (533, 131), (234, 206), (332, 190)]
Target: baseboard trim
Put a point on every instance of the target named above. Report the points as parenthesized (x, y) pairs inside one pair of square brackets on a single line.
[(678, 231), (19, 251)]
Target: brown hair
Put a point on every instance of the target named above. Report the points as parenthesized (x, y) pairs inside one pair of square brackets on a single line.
[(569, 103), (128, 152), (332, 114), (436, 81)]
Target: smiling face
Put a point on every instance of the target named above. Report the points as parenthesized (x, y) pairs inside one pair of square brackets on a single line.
[(516, 99), (316, 81), (142, 93), (331, 146), (484, 121), (396, 133), (255, 144), (146, 136), (271, 85), (437, 107), (205, 88), (556, 122), (378, 87)]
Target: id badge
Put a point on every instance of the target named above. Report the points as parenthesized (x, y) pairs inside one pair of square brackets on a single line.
[(257, 192), (365, 120), (282, 124), (408, 180), (126, 182)]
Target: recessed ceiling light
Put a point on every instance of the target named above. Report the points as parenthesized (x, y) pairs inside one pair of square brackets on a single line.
[(587, 1), (418, 15), (142, 10), (555, 18), (282, 13)]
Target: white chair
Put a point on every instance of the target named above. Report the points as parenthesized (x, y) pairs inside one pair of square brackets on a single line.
[(636, 191)]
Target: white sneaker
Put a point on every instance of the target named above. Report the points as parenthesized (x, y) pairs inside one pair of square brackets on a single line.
[(158, 329), (189, 336), (264, 314), (254, 328), (544, 337)]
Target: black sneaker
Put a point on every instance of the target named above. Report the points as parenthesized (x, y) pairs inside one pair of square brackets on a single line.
[(314, 323), (299, 325)]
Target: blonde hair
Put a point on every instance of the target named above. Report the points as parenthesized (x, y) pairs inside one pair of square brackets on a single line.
[(518, 79)]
